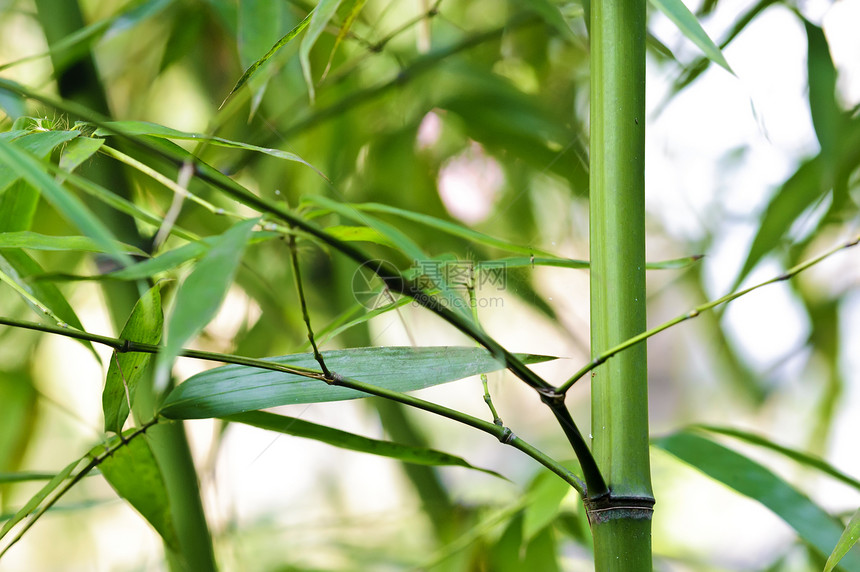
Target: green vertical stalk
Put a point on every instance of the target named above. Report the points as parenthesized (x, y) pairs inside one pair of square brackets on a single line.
[(78, 80), (621, 521)]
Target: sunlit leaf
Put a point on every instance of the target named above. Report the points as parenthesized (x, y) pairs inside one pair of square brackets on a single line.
[(344, 440), (812, 523), (354, 11), (200, 295), (36, 241), (40, 144), (134, 474), (359, 234), (37, 499), (453, 229), (678, 12), (849, 538), (155, 130), (232, 389), (127, 368), (320, 18), (31, 170), (252, 69), (823, 107)]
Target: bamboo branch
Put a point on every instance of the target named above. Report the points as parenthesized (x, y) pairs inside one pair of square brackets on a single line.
[(790, 273)]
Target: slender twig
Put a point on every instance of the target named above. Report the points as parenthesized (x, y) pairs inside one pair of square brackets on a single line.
[(503, 434), (790, 273), (294, 257), (473, 303), (392, 278)]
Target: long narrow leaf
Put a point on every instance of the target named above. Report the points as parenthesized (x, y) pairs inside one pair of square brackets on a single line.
[(36, 241), (812, 523), (320, 18), (345, 440), (39, 497), (201, 294), (849, 538), (235, 389), (799, 456), (678, 12), (160, 131)]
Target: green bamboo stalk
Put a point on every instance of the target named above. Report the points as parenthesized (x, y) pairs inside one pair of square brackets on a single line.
[(78, 81), (621, 520)]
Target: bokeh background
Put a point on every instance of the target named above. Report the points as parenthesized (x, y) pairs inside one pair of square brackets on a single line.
[(467, 112)]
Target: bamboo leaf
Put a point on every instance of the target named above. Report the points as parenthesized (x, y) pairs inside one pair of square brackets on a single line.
[(40, 144), (678, 12), (252, 69), (134, 474), (77, 151), (259, 24), (199, 297), (31, 170), (345, 440), (453, 229), (821, 74), (812, 523), (354, 11), (359, 234), (126, 369), (38, 498), (799, 456), (849, 538), (28, 476), (232, 389), (163, 262), (36, 241), (162, 132), (320, 18)]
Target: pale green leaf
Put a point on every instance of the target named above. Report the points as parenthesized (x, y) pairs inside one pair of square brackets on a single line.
[(77, 151), (36, 241), (232, 389), (160, 131), (849, 538), (200, 295), (37, 499), (678, 12), (320, 18)]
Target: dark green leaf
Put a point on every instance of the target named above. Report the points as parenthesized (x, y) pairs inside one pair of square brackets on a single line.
[(821, 74), (126, 369), (235, 389), (199, 297), (813, 524), (134, 474), (799, 456), (849, 538), (351, 441), (549, 12)]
